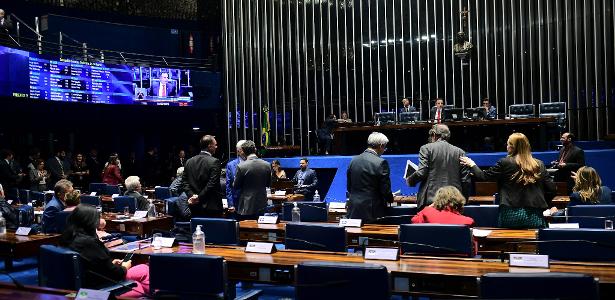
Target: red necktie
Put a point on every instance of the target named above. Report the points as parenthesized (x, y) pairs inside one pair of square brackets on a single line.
[(438, 116), (164, 91)]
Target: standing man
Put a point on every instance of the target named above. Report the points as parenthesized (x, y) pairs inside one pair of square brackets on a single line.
[(10, 176), (202, 181), (491, 113), (231, 169), (437, 112), (438, 166), (58, 168), (368, 183), (252, 179), (570, 159), (306, 180)]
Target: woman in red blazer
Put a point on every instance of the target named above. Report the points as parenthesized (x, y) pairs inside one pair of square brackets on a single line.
[(446, 209), (111, 174)]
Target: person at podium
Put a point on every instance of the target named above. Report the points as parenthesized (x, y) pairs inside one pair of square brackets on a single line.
[(437, 112), (406, 107), (491, 113), (163, 87)]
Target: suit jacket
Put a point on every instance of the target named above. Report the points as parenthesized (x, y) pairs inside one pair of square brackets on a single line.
[(155, 88), (605, 198), (252, 178), (432, 113), (52, 208), (445, 216), (492, 113), (56, 169), (8, 177), (515, 194), (410, 109), (6, 26), (142, 203), (369, 186), (574, 159), (202, 178), (232, 193), (310, 182), (438, 167)]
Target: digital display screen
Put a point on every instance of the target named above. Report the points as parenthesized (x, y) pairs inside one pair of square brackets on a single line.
[(29, 75)]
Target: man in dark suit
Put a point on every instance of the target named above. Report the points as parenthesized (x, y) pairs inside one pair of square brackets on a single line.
[(10, 176), (438, 166), (58, 168), (56, 205), (306, 180), (163, 87), (437, 112), (570, 159), (202, 181), (5, 23), (252, 179), (406, 106), (368, 183)]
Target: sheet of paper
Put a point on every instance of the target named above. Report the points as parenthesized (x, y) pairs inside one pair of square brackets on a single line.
[(410, 169), (481, 232)]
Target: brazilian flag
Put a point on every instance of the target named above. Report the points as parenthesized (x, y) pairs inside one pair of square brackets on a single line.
[(266, 127)]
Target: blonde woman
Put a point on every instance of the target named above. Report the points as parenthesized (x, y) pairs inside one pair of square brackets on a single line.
[(588, 188), (522, 182), (446, 208)]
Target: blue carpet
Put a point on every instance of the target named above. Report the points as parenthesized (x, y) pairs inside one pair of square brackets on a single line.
[(24, 271)]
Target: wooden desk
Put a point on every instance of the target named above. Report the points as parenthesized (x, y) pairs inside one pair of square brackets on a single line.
[(17, 246), (141, 227), (411, 275)]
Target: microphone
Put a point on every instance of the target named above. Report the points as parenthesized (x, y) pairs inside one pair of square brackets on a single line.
[(599, 244), (412, 244), (393, 217), (311, 205), (306, 242), (113, 280)]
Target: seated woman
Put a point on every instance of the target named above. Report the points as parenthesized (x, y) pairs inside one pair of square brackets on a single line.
[(446, 208), (99, 268), (276, 171), (72, 200), (587, 190)]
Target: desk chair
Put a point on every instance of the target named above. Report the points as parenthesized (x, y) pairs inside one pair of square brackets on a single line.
[(318, 237), (577, 244), (24, 196), (397, 215), (100, 188), (90, 200), (590, 216), (310, 211), (113, 189), (38, 197), (191, 276), (483, 215), (217, 230), (26, 215), (62, 268), (162, 192), (538, 286), (436, 239), (125, 201), (330, 280)]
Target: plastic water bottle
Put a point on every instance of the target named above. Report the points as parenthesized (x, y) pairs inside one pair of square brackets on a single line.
[(316, 197), (2, 225), (296, 213), (198, 241), (151, 210)]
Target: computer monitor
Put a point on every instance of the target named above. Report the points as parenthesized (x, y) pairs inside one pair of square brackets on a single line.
[(521, 111), (409, 117), (477, 113), (383, 118), (453, 114)]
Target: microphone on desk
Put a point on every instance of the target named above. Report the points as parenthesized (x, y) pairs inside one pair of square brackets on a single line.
[(306, 242), (410, 244), (311, 205), (600, 244), (393, 217), (113, 281)]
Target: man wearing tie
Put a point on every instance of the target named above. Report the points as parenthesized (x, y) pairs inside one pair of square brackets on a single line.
[(163, 87), (437, 112), (406, 106), (58, 168), (570, 159)]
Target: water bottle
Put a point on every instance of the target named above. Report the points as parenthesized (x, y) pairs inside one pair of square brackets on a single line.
[(198, 241), (151, 210), (2, 224), (316, 197), (296, 213)]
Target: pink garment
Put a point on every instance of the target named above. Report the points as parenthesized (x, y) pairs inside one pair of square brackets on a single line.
[(140, 274)]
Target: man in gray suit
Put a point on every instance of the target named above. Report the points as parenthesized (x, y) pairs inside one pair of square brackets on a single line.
[(438, 166), (252, 179), (368, 181)]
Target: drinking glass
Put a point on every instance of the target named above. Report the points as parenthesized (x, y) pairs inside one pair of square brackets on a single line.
[(126, 211), (608, 224), (156, 242)]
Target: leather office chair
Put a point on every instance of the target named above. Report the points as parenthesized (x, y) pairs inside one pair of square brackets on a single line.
[(191, 276), (397, 215), (589, 216), (24, 196), (112, 189), (577, 244), (538, 286), (517, 111), (320, 280), (436, 239), (39, 197), (310, 211), (217, 230), (100, 188), (318, 237), (124, 201), (483, 215), (90, 200), (162, 192), (62, 268)]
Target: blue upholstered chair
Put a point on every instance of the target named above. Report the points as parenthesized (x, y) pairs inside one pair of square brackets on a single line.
[(26, 215), (191, 276), (591, 216), (577, 244), (91, 200), (162, 192), (319, 237), (98, 187), (538, 286), (436, 239), (112, 189), (337, 280), (310, 211), (24, 196), (217, 231), (62, 268), (397, 215), (124, 201), (483, 215)]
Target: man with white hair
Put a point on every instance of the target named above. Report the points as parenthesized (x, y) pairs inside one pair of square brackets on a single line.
[(232, 193), (176, 185), (368, 181), (133, 189)]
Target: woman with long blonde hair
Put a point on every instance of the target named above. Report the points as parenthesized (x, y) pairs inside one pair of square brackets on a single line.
[(588, 188), (523, 183)]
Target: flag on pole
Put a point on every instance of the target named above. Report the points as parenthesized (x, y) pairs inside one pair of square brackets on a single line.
[(266, 127)]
